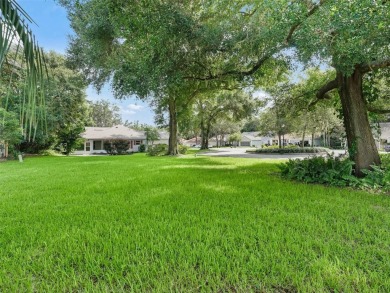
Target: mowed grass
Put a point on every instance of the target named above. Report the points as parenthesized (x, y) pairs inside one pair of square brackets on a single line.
[(189, 224)]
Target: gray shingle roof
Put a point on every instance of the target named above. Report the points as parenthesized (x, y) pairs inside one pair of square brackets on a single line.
[(115, 132), (118, 132)]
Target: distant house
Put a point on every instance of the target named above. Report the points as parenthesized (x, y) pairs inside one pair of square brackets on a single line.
[(254, 139), (3, 150), (384, 138), (195, 141), (96, 136)]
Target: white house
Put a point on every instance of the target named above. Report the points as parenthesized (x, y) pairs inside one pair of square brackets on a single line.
[(96, 136), (384, 138), (3, 150), (254, 139)]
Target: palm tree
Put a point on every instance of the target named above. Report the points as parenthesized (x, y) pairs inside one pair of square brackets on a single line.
[(17, 42)]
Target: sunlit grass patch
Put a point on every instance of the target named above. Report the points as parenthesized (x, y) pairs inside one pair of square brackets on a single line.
[(139, 223)]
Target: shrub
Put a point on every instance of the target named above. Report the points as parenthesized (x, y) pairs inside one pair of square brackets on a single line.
[(142, 148), (290, 150), (275, 146), (335, 172), (158, 150), (385, 159), (332, 171), (116, 147), (377, 178), (183, 149), (50, 153), (121, 146), (108, 147)]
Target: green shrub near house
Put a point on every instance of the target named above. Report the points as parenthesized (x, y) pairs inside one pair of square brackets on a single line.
[(183, 149), (158, 150), (385, 159), (116, 147), (338, 172), (142, 148), (289, 150)]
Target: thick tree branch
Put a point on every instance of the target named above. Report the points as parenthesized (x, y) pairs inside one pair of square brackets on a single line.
[(248, 14), (377, 110), (374, 65), (251, 71), (296, 26), (322, 93), (326, 88), (256, 66)]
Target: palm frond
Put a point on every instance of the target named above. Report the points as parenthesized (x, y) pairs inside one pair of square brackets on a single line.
[(15, 33)]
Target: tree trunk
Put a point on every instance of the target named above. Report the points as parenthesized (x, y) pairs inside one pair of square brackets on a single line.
[(204, 144), (324, 139), (361, 143), (303, 137), (280, 140), (205, 134), (172, 148), (304, 132), (208, 133)]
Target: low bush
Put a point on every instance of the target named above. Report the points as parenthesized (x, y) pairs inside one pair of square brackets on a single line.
[(142, 148), (50, 153), (290, 150), (108, 147), (385, 159), (335, 172), (275, 146), (377, 178), (158, 150), (183, 149), (121, 146), (116, 147)]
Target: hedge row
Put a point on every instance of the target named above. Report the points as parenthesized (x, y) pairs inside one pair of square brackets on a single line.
[(290, 150)]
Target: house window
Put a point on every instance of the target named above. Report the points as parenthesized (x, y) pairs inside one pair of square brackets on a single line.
[(137, 142), (87, 146), (97, 145)]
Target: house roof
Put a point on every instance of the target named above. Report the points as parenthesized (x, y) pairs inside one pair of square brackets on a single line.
[(115, 132), (118, 132), (254, 135)]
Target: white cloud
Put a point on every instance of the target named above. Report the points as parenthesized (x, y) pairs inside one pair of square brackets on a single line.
[(134, 107), (128, 111)]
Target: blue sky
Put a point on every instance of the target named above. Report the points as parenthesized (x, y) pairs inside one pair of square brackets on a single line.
[(52, 30)]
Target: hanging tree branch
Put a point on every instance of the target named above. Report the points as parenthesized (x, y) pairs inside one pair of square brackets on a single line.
[(377, 110), (374, 65), (248, 13), (256, 66), (296, 26), (322, 93)]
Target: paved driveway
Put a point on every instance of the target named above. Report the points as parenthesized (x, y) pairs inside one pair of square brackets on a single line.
[(241, 153)]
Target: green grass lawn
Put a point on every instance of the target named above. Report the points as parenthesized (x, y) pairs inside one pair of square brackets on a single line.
[(137, 223)]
